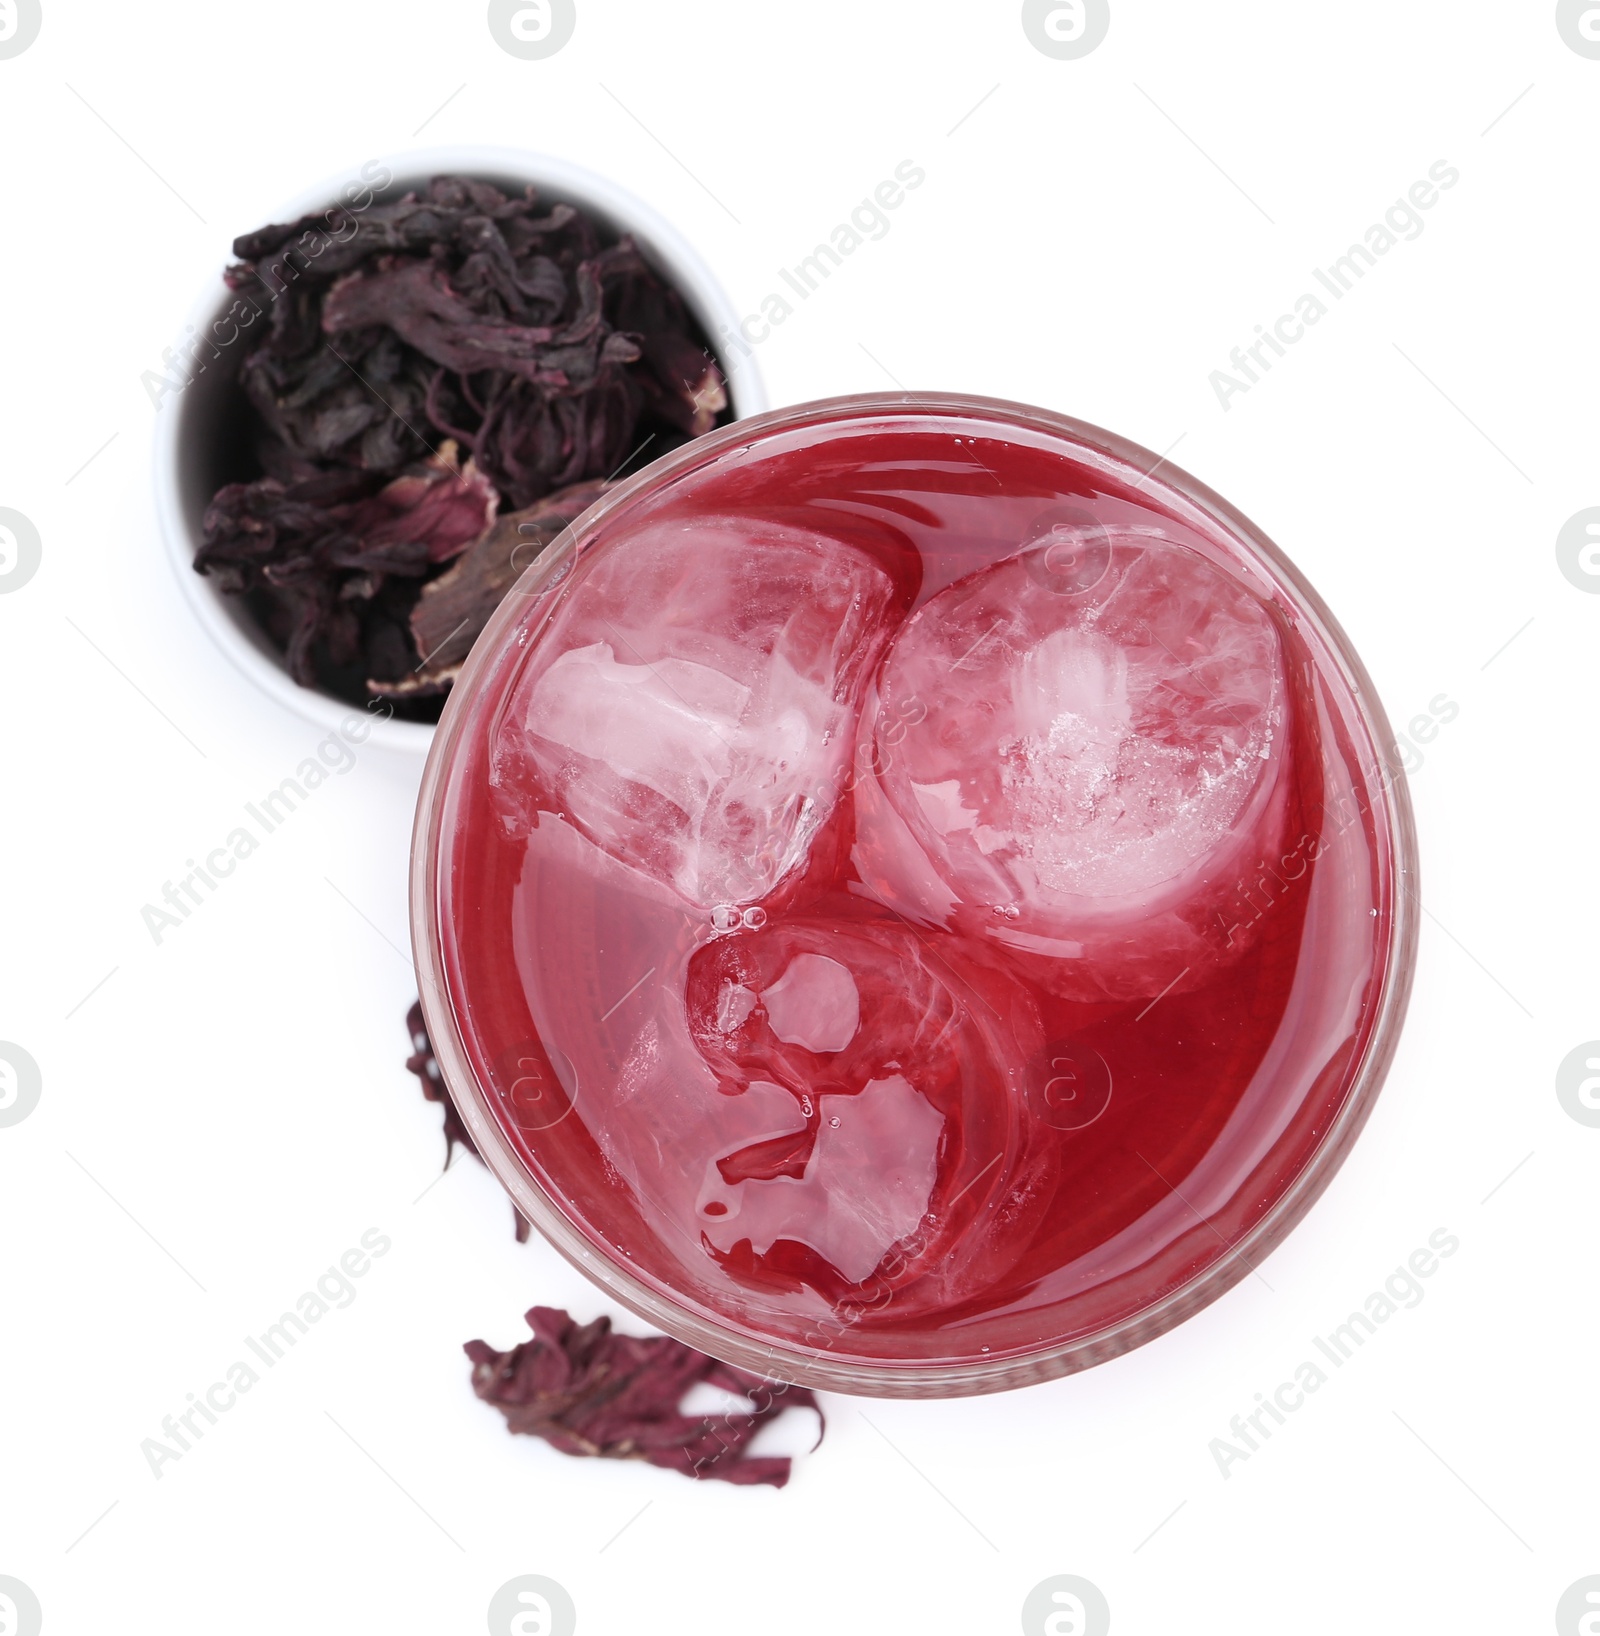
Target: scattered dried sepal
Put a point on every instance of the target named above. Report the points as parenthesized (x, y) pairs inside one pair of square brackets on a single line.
[(422, 1063), (587, 1391)]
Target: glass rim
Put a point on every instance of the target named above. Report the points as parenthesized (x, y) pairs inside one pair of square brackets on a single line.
[(818, 1367)]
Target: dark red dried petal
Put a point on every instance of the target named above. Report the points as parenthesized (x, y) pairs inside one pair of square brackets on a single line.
[(423, 1064), (416, 300), (454, 608), (588, 1391), (442, 505)]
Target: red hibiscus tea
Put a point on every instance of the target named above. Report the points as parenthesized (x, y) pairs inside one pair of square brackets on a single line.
[(911, 898)]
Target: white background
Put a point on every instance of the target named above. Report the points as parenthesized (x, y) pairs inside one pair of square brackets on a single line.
[(229, 1110)]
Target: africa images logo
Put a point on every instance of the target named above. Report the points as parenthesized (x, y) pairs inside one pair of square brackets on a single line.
[(1578, 22), (531, 29), (1066, 29), (19, 1609), (20, 1085), (20, 547), (1066, 1605), (532, 1605), (19, 28)]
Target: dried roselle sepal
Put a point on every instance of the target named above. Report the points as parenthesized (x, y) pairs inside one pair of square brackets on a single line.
[(684, 386), (359, 401), (423, 1064), (438, 504), (454, 608), (335, 538), (416, 301), (588, 1391), (681, 380), (534, 443)]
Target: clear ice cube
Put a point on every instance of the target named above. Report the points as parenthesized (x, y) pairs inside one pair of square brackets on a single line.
[(906, 1076), (1082, 771), (692, 705), (865, 1188), (815, 1004)]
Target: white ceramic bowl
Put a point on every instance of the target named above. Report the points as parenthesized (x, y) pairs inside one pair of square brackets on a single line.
[(190, 424)]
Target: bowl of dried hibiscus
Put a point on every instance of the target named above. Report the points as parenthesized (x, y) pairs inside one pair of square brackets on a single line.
[(402, 392)]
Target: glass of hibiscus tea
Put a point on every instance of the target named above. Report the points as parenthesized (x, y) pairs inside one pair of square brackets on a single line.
[(910, 895)]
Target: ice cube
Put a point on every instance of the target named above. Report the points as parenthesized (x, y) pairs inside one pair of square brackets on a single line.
[(866, 1186), (917, 1132), (692, 701), (846, 1053), (815, 1004), (669, 726), (1082, 773)]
